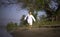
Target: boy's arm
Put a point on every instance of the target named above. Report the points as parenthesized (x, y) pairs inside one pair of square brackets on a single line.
[(25, 17), (33, 18)]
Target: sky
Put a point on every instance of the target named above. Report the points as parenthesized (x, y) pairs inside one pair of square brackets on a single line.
[(53, 5), (14, 12)]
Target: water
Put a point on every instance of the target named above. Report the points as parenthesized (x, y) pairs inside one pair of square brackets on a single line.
[(4, 33), (8, 13)]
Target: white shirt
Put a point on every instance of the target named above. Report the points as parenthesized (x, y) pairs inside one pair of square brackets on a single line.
[(30, 19)]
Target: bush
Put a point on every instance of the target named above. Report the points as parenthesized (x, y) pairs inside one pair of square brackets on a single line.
[(11, 26)]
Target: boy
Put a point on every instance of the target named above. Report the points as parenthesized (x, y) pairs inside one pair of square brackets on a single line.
[(30, 19)]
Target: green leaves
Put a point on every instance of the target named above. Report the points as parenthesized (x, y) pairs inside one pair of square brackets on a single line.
[(35, 4), (39, 5), (11, 26), (22, 21)]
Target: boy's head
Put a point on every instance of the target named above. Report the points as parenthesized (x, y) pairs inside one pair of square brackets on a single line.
[(30, 13)]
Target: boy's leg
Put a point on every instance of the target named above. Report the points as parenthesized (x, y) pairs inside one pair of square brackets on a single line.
[(30, 26)]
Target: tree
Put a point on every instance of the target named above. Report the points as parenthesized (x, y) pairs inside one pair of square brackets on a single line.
[(37, 5), (33, 5), (22, 21)]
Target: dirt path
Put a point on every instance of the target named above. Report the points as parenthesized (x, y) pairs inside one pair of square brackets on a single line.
[(37, 32)]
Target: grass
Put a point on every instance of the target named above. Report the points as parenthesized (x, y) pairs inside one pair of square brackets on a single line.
[(46, 23), (35, 25)]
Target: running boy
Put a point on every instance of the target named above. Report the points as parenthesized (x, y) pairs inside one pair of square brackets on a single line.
[(30, 18)]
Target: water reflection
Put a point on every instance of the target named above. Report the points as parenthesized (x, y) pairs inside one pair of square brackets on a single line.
[(4, 33)]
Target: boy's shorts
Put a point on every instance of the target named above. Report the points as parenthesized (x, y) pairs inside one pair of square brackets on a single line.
[(30, 23)]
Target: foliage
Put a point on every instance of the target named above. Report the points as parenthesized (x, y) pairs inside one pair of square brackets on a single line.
[(39, 5), (33, 4), (11, 26), (46, 23), (22, 21)]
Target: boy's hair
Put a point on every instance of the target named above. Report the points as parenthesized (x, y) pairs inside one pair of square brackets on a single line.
[(30, 12)]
